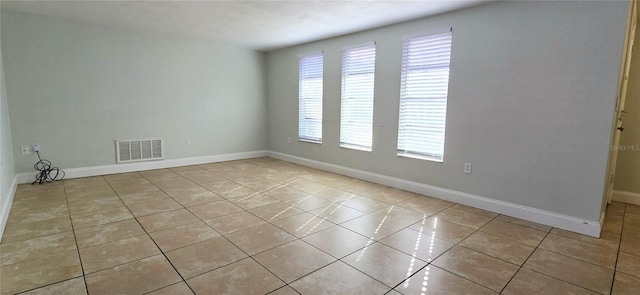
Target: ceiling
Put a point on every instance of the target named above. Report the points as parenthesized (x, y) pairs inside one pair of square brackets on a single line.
[(262, 25)]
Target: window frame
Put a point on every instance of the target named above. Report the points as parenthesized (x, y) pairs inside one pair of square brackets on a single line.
[(428, 72), (302, 109), (347, 114)]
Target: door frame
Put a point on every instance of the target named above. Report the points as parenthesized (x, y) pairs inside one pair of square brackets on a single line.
[(621, 96)]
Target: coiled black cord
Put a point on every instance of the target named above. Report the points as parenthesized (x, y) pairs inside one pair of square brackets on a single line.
[(46, 173)]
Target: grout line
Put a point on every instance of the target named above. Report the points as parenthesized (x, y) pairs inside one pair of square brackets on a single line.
[(615, 266), (73, 231), (148, 235)]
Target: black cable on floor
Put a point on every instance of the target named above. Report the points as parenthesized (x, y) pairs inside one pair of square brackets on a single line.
[(46, 173)]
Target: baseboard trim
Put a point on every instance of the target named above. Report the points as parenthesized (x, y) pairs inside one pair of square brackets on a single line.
[(570, 223), (142, 166), (626, 197), (6, 207)]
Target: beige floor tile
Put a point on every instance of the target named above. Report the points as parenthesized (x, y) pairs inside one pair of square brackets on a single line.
[(578, 272), (530, 282), (384, 263), (242, 277), (275, 211), (285, 193), (502, 248), (215, 209), (366, 204), (417, 244), (100, 217), (630, 244), (115, 253), (201, 257), (607, 239), (38, 214), (110, 232), (241, 192), (475, 210), (425, 205), (193, 196), (169, 219), (174, 181), (580, 250), (303, 224), (338, 241), (73, 286), (613, 224), (220, 187), (477, 267), (175, 289), (629, 264), (391, 195), (264, 185), (259, 238), (36, 273), (463, 218), (293, 260), (309, 202), (518, 233), (337, 213), (529, 224), (36, 248), (442, 229), (19, 231), (306, 186), (234, 222), (373, 226), (144, 197), (84, 206), (286, 290), (399, 215), (632, 230), (338, 278), (183, 235), (253, 201), (144, 209), (625, 284), (334, 194), (433, 280), (122, 176), (137, 277)]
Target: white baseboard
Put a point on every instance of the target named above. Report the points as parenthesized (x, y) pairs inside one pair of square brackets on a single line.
[(570, 223), (626, 197), (6, 207), (142, 166)]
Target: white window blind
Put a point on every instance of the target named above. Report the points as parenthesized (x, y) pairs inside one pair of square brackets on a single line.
[(423, 96), (356, 112), (310, 98)]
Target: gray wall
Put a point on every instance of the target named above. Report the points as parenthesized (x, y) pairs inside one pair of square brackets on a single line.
[(74, 88), (7, 168), (531, 97), (628, 165)]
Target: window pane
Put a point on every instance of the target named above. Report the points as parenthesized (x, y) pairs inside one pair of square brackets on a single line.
[(423, 96), (356, 112), (310, 98)]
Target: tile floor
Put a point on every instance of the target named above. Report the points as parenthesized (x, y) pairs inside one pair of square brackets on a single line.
[(266, 226)]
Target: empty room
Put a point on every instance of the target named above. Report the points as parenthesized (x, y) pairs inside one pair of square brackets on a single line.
[(319, 147)]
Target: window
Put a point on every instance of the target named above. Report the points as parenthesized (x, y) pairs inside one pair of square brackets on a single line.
[(310, 98), (423, 96), (356, 112)]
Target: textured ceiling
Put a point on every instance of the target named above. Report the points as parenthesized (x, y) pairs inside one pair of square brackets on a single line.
[(262, 25)]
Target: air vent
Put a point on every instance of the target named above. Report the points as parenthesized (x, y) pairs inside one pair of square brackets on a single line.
[(138, 150)]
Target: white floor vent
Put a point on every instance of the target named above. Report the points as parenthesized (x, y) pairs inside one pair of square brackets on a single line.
[(139, 150)]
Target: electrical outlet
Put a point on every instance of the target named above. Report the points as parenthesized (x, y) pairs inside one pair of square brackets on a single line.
[(467, 168), (187, 141), (288, 139), (25, 150), (36, 147)]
